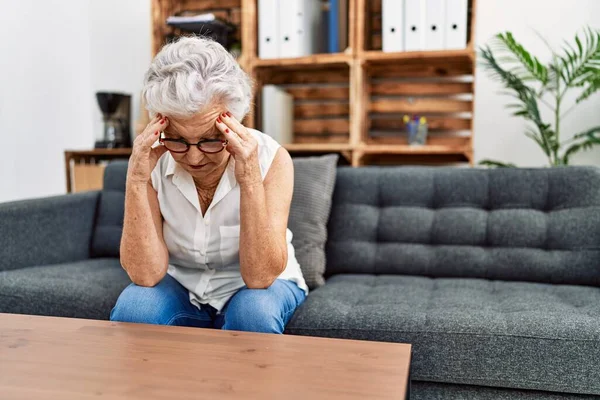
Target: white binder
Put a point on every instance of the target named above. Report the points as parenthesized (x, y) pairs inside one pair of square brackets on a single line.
[(456, 24), (392, 26), (435, 14), (278, 114), (300, 27), (292, 35), (414, 34), (268, 28)]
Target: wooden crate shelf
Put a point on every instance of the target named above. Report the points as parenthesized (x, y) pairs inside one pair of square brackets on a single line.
[(353, 102), (321, 96)]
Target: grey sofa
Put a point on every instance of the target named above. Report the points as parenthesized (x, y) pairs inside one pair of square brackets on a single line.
[(492, 275)]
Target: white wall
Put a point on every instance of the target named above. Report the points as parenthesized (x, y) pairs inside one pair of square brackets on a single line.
[(498, 135), (54, 55), (45, 91)]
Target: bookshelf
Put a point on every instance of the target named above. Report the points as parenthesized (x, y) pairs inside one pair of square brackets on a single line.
[(353, 102)]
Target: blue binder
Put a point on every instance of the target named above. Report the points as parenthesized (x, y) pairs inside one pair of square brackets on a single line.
[(334, 26)]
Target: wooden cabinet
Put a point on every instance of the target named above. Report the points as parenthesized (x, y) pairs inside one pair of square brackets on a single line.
[(84, 169), (87, 177)]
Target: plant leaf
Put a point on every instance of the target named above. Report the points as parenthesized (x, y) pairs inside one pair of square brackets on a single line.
[(522, 63), (581, 65), (585, 144), (528, 97), (579, 45), (492, 163), (536, 138), (593, 87), (587, 140), (592, 133)]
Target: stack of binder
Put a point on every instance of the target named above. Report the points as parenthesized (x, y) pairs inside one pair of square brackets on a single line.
[(414, 25), (289, 28)]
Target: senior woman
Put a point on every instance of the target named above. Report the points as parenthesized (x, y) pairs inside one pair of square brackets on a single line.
[(205, 239)]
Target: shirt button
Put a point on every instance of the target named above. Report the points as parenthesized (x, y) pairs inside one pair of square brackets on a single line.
[(206, 222)]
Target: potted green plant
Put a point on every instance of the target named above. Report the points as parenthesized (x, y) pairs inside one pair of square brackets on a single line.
[(532, 83)]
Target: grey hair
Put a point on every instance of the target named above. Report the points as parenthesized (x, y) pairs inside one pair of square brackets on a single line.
[(191, 73)]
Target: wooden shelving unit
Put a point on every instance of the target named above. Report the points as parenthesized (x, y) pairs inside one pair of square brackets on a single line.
[(353, 102)]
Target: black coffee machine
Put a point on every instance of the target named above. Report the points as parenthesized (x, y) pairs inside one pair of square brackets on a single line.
[(116, 112)]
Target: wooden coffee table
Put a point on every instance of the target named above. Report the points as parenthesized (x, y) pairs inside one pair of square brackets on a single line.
[(62, 358)]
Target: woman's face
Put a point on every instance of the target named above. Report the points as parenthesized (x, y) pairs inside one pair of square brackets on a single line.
[(199, 127)]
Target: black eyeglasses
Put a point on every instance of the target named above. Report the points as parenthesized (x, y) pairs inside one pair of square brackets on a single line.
[(208, 146)]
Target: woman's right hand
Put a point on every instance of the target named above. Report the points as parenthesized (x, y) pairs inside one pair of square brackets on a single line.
[(143, 157)]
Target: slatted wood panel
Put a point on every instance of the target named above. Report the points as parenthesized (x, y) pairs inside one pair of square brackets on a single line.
[(281, 77), (373, 25), (442, 159), (390, 87), (429, 68), (435, 144), (321, 101), (435, 123)]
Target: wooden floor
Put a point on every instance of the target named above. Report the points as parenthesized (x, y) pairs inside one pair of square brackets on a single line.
[(56, 358)]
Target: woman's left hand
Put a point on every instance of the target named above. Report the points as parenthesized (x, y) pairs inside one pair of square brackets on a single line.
[(243, 147)]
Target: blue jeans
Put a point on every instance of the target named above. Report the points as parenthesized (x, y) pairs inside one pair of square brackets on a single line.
[(168, 303)]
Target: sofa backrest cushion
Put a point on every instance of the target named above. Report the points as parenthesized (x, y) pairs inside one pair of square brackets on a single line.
[(509, 224), (314, 180), (111, 208)]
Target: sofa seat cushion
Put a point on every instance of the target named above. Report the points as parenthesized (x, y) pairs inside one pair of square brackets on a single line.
[(468, 331), (84, 289)]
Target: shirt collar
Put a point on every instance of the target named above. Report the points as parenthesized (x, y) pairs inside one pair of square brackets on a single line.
[(185, 183), (171, 165), (227, 182)]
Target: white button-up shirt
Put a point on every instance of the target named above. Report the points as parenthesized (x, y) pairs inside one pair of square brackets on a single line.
[(204, 250)]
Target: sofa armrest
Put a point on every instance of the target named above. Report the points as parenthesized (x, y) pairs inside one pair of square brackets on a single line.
[(48, 230)]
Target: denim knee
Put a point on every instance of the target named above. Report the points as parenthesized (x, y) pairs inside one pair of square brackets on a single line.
[(254, 310), (139, 304)]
